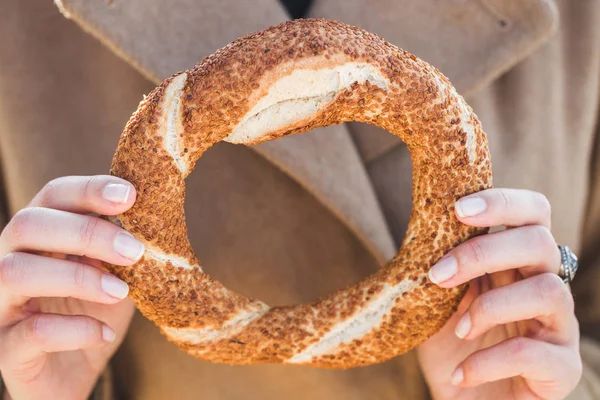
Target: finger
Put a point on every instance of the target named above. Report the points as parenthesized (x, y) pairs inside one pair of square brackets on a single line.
[(100, 194), (49, 230), (23, 276), (49, 333), (510, 207), (543, 297), (531, 249), (543, 365)]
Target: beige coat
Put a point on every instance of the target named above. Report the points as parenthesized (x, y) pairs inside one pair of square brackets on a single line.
[(294, 219)]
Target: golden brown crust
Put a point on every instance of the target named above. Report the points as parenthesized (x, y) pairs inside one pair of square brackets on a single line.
[(450, 159)]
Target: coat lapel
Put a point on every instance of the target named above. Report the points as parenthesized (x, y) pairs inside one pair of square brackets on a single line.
[(474, 42)]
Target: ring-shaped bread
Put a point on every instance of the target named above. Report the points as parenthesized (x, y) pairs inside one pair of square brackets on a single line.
[(284, 80)]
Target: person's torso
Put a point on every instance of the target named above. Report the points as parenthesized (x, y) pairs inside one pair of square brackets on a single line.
[(252, 226)]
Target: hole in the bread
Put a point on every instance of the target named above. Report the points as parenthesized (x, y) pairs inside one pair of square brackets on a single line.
[(261, 234)]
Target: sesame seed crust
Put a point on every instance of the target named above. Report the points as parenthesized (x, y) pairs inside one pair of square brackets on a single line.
[(386, 314)]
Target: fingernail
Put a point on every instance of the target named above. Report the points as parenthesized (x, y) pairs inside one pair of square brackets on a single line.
[(457, 376), (116, 192), (127, 246), (445, 269), (108, 334), (463, 327), (113, 286), (470, 206)]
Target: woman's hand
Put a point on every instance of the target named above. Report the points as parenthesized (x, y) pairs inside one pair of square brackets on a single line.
[(61, 315), (515, 335)]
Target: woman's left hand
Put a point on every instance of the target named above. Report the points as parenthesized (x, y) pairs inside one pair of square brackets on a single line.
[(515, 335)]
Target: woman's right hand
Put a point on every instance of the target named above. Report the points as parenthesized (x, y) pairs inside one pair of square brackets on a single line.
[(62, 316)]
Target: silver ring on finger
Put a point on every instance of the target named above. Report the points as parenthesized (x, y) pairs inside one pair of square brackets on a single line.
[(568, 264)]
